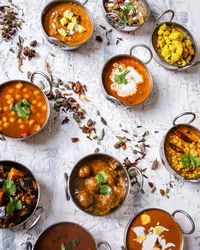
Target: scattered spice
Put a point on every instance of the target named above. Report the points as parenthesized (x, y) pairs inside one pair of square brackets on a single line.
[(99, 39), (107, 32), (119, 39), (154, 164), (104, 121), (75, 139), (28, 52), (33, 43), (10, 21)]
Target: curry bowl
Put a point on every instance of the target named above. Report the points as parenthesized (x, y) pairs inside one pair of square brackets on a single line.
[(24, 108), (67, 24), (19, 196), (180, 150), (173, 45), (124, 15), (155, 228), (126, 80), (66, 235), (99, 184)]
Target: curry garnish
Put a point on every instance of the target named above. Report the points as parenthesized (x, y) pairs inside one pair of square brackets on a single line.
[(22, 109), (72, 245), (105, 189), (101, 177), (190, 160)]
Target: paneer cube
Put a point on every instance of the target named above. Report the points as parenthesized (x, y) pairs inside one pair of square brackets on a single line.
[(71, 26), (68, 14), (62, 32), (75, 19), (64, 21), (79, 28)]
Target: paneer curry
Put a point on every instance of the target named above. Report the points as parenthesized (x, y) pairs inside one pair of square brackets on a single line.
[(127, 79), (154, 229), (18, 195), (99, 185), (23, 109), (69, 22)]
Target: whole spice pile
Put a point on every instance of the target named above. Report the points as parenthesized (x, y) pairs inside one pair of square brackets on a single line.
[(9, 21)]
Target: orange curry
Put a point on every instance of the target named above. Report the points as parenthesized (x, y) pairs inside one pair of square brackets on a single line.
[(23, 109), (154, 228), (69, 22), (126, 79)]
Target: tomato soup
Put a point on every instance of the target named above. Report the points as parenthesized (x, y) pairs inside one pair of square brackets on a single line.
[(126, 79), (65, 235), (154, 229), (23, 109), (68, 22)]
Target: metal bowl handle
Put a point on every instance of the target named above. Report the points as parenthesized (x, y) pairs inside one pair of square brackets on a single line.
[(112, 22), (36, 220), (29, 245), (46, 77), (143, 46), (183, 114), (66, 186), (105, 244), (141, 181), (190, 219), (83, 2), (163, 14), (115, 101)]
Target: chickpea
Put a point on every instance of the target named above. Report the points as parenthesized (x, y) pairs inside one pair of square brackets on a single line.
[(37, 127), (26, 96), (34, 101), (19, 85), (8, 96), (11, 91), (38, 115), (36, 92), (44, 107), (6, 125), (39, 104), (10, 101), (18, 97), (6, 108), (24, 90), (4, 119), (22, 126), (33, 110), (12, 113), (12, 119), (19, 121), (31, 122)]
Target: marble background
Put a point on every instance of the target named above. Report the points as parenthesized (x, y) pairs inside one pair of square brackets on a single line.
[(51, 153)]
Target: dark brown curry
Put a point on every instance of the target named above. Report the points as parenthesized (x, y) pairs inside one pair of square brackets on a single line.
[(99, 185)]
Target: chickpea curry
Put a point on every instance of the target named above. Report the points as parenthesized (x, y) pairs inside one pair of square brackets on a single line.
[(154, 229), (174, 45), (23, 109), (182, 151), (64, 236), (18, 195), (127, 79), (68, 22), (100, 185)]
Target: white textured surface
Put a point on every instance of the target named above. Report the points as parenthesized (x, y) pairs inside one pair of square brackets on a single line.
[(51, 153)]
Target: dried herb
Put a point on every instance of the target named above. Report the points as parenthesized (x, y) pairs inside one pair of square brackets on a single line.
[(19, 52), (118, 145), (151, 185), (107, 32), (65, 120), (154, 164), (10, 21)]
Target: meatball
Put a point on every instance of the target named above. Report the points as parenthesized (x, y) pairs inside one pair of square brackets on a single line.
[(85, 199), (92, 185), (84, 171)]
